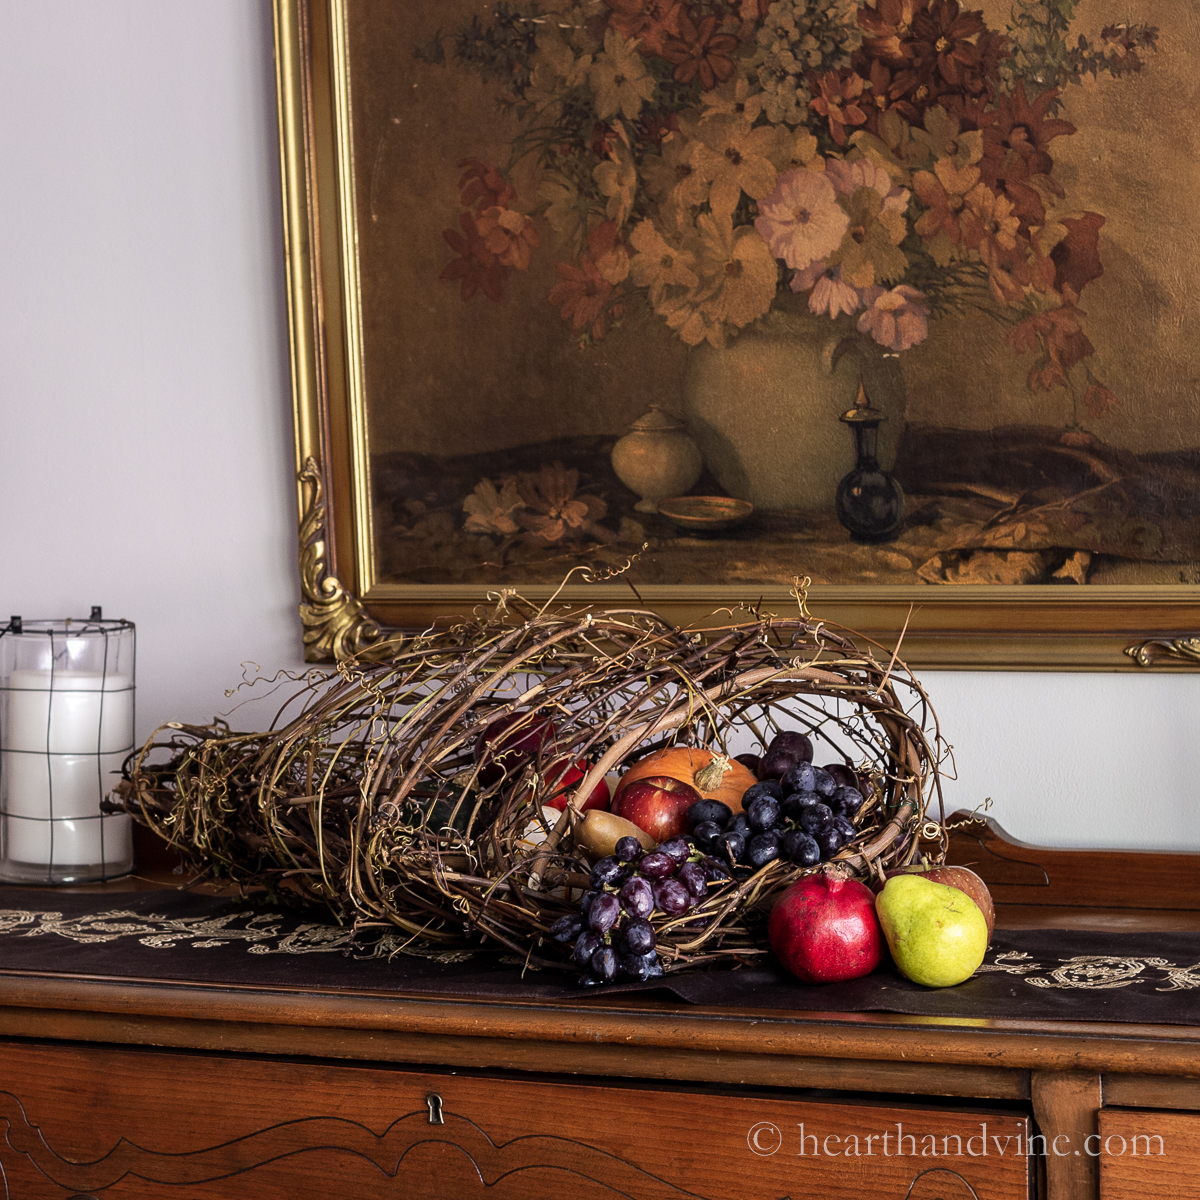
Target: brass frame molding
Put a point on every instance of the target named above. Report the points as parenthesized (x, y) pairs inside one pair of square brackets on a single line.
[(347, 605), (335, 623)]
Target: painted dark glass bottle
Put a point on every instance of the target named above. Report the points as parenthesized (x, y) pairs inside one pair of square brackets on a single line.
[(870, 503)]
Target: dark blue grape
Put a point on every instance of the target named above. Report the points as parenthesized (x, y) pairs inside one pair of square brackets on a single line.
[(816, 816), (604, 913), (763, 813), (604, 964), (709, 810), (634, 967), (847, 800), (823, 783), (842, 775), (733, 846), (775, 764), (656, 968), (638, 936), (799, 848), (767, 787), (672, 897), (762, 849), (706, 834), (829, 840), (798, 779), (585, 947), (793, 807), (568, 928), (678, 849), (714, 870), (741, 824), (637, 897), (692, 878), (793, 742), (629, 849), (750, 761), (657, 865), (606, 871), (845, 827), (586, 901)]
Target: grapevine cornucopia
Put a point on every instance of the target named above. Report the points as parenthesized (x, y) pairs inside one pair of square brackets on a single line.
[(438, 788)]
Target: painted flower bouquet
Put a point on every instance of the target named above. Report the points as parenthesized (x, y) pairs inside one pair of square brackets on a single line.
[(889, 162)]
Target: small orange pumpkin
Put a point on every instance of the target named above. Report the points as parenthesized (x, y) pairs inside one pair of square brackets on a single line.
[(714, 776)]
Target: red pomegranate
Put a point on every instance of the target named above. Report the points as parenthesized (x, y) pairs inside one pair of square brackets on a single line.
[(824, 929)]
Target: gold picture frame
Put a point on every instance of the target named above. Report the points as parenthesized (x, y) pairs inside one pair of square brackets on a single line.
[(347, 607)]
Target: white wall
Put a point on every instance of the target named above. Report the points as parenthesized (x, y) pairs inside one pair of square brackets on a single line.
[(145, 451)]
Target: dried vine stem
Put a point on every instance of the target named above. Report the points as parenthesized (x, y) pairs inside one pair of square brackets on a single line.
[(371, 800)]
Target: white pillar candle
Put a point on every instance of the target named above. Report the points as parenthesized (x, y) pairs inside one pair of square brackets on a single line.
[(67, 720), (65, 737)]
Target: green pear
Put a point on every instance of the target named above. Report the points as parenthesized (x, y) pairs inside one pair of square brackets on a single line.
[(936, 934)]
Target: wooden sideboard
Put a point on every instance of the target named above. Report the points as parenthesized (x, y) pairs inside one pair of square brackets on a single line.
[(119, 1088)]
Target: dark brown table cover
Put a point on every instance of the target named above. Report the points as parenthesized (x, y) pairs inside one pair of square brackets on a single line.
[(1042, 974)]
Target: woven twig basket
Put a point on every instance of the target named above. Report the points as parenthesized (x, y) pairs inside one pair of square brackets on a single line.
[(370, 801)]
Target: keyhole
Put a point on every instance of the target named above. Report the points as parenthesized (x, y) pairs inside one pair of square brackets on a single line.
[(435, 1109)]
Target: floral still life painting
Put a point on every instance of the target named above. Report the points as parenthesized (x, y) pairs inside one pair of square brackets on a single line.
[(741, 212)]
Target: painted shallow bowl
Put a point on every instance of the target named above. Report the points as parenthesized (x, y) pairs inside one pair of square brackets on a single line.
[(705, 514)]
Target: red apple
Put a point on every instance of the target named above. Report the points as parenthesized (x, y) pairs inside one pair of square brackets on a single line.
[(824, 929), (509, 742), (962, 878), (562, 777), (657, 805)]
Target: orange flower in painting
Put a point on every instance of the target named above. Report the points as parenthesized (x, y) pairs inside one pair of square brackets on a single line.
[(1023, 131), (700, 50), (483, 186), (587, 290), (555, 512), (477, 268), (1077, 257), (941, 37), (989, 224), (840, 102), (650, 21), (1059, 334), (887, 24), (1099, 399), (509, 235), (944, 191)]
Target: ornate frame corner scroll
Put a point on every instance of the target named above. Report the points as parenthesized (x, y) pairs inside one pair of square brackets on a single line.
[(336, 625), (1166, 652), (348, 609)]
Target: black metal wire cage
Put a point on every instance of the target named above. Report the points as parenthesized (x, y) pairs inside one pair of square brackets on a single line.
[(67, 690)]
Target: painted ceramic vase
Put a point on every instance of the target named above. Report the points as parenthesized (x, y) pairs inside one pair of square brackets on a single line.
[(765, 410)]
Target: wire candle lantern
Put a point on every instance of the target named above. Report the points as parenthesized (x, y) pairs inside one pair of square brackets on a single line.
[(66, 725)]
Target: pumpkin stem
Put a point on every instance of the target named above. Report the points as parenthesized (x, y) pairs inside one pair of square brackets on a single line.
[(708, 778)]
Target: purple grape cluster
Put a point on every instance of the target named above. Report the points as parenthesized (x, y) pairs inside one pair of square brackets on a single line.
[(797, 812), (612, 934)]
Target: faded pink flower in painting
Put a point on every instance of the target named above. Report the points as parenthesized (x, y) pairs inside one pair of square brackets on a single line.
[(848, 177), (801, 219), (828, 293), (897, 319)]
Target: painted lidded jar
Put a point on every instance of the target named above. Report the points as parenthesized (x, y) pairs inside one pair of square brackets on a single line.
[(657, 459)]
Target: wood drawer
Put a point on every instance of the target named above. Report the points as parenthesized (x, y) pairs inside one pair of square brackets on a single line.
[(97, 1121), (1146, 1153)]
